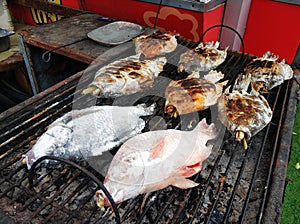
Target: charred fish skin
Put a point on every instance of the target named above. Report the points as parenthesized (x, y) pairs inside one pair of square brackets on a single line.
[(137, 167), (193, 94), (155, 44), (243, 114), (89, 132), (267, 73), (125, 76), (205, 57)]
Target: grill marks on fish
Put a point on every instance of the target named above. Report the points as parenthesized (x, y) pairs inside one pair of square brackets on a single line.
[(240, 109), (205, 57), (125, 76), (155, 44), (213, 54), (260, 64), (156, 36), (193, 94), (193, 87), (244, 114), (266, 72), (124, 66)]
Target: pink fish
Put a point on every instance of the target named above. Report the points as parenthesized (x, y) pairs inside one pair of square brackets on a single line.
[(156, 159)]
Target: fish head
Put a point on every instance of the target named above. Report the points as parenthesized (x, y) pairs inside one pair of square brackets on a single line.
[(171, 110), (286, 70), (102, 200), (28, 159), (118, 193)]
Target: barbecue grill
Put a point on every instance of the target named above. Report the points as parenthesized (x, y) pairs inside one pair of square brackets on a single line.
[(236, 185)]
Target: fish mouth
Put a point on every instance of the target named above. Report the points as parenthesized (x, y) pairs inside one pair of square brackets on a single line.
[(101, 200), (93, 90), (171, 110), (28, 159), (241, 137)]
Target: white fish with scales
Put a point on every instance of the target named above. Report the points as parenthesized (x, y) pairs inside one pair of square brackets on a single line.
[(89, 132)]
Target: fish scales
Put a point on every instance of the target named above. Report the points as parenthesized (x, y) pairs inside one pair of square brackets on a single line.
[(89, 132), (125, 76), (156, 159)]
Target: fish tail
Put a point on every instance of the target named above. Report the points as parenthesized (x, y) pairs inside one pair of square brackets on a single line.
[(208, 128)]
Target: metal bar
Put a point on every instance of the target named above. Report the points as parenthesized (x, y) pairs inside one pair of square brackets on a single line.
[(218, 159), (274, 154), (182, 203), (257, 164), (82, 169), (157, 14), (62, 205), (275, 197), (234, 191), (221, 181), (294, 2), (17, 112), (32, 80), (192, 5), (49, 113), (48, 201), (163, 209)]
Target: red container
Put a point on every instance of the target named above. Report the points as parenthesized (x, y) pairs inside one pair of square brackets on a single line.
[(188, 23), (273, 26)]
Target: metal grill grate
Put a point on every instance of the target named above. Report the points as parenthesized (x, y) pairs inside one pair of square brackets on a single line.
[(235, 184)]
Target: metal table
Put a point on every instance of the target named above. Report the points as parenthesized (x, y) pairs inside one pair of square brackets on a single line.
[(71, 49)]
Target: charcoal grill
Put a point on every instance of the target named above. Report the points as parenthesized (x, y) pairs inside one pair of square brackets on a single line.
[(236, 185)]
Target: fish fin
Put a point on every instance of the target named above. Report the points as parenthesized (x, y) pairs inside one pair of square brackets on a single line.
[(191, 170), (195, 75), (158, 149), (213, 76), (224, 83), (183, 183), (242, 82)]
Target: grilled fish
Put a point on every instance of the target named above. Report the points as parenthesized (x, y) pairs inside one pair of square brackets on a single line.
[(193, 94), (155, 44), (205, 57), (244, 114), (154, 160), (267, 73), (125, 76), (89, 132)]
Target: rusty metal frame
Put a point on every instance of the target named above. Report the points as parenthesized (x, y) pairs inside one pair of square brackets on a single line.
[(29, 67)]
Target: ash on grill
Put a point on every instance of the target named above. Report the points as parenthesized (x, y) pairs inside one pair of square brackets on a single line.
[(234, 183)]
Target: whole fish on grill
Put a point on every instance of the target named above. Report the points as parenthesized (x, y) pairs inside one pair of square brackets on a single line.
[(89, 132), (156, 159), (244, 114), (193, 94), (205, 57), (267, 73), (125, 76), (155, 44)]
